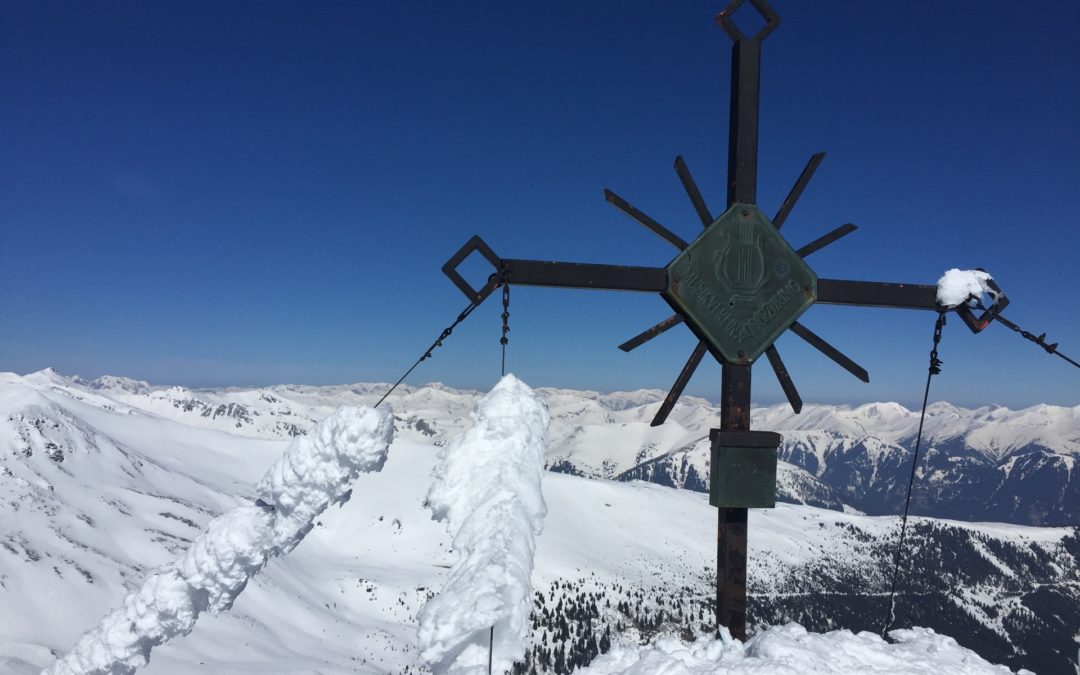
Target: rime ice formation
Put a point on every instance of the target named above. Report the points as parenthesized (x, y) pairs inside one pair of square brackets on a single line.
[(791, 650), (487, 486), (317, 470), (314, 472), (955, 287)]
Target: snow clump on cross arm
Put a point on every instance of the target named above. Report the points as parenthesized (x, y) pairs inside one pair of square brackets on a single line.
[(957, 287)]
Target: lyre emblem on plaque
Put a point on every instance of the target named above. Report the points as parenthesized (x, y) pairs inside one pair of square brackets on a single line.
[(739, 263)]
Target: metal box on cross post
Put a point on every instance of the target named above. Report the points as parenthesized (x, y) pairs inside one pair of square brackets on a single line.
[(740, 285), (742, 472)]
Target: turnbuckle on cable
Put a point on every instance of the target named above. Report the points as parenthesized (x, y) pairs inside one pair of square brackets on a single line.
[(935, 362)]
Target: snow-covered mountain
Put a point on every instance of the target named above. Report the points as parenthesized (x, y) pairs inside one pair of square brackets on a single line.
[(101, 481), (991, 463)]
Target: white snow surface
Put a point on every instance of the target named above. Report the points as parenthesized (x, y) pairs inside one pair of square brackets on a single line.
[(791, 650), (488, 488), (314, 472), (956, 286), (100, 486)]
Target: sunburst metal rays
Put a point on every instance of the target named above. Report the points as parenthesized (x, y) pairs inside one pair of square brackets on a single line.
[(824, 240), (673, 320), (830, 351), (692, 191), (680, 383), (786, 384), (649, 333), (706, 218), (635, 213), (797, 189)]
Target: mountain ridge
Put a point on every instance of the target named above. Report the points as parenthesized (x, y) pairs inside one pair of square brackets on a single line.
[(987, 463), (97, 492)]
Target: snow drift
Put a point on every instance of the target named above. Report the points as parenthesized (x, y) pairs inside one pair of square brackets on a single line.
[(487, 486), (791, 650), (314, 472)]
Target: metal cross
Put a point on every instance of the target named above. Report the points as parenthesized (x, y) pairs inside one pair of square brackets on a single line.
[(738, 286)]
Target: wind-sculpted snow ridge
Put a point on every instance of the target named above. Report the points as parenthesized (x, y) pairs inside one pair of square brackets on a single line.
[(792, 650), (314, 472), (487, 486)]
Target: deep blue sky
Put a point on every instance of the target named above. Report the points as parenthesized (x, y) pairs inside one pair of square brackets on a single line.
[(253, 193)]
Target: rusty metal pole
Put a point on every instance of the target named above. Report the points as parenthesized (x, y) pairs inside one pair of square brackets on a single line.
[(735, 382), (731, 531)]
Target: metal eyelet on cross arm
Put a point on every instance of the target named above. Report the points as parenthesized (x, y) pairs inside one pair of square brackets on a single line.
[(450, 269), (978, 323)]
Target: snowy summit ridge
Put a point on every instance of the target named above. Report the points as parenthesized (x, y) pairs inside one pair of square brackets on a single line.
[(99, 488)]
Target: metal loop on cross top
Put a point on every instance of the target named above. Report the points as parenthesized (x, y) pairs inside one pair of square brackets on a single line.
[(935, 369)]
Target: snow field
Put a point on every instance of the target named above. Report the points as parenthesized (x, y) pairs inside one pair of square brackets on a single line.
[(132, 486)]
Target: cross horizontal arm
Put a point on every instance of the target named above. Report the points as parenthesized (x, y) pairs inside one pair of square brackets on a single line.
[(877, 294), (585, 275), (556, 274)]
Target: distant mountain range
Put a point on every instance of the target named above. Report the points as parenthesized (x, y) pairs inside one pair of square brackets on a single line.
[(985, 464), (102, 480), (991, 463)]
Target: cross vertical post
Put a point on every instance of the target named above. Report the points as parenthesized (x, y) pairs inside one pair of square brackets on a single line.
[(743, 121), (731, 531)]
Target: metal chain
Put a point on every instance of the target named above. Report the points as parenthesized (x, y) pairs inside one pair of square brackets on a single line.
[(505, 321), (1051, 348), (935, 369), (504, 281), (434, 345), (935, 362)]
